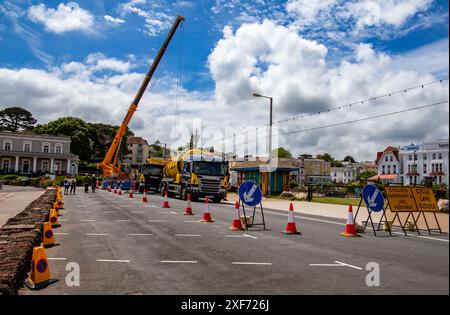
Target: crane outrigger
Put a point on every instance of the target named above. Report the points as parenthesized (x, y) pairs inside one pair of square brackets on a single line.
[(109, 164)]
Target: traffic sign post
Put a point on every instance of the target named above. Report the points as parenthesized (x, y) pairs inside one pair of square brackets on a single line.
[(374, 200), (250, 194)]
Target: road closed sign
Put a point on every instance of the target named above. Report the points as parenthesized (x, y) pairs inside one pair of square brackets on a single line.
[(425, 200), (400, 199)]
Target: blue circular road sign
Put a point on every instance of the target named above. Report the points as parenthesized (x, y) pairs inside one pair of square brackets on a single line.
[(250, 193), (373, 198)]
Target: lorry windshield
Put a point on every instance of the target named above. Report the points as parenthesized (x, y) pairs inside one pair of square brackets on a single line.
[(152, 170), (210, 168)]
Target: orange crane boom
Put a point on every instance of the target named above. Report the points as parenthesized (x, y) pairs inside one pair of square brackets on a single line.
[(108, 165)]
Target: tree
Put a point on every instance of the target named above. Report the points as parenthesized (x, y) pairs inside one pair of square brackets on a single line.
[(73, 127), (15, 119), (305, 156), (349, 158), (366, 175), (102, 135), (281, 153), (326, 157)]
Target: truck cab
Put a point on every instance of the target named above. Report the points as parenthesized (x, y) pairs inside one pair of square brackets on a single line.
[(153, 174)]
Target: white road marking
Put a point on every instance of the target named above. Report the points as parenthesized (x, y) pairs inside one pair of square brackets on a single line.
[(140, 234), (62, 220), (52, 258), (401, 233), (179, 261), (336, 264), (433, 238), (112, 260), (306, 218), (110, 211), (94, 234), (254, 237), (123, 220), (188, 235), (167, 212), (235, 236), (61, 233), (157, 221), (351, 266), (251, 263)]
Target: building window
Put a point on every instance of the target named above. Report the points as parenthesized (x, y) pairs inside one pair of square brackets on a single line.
[(424, 168), (6, 165), (434, 156), (392, 158), (46, 148), (45, 166), (395, 169), (58, 149), (432, 168), (7, 145), (424, 156), (410, 157), (387, 158), (440, 168), (440, 156), (27, 147), (389, 169), (383, 169), (409, 168)]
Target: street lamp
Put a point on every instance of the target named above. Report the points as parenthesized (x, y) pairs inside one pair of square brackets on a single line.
[(270, 137)]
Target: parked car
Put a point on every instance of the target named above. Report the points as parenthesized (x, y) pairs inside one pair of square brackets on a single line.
[(334, 193)]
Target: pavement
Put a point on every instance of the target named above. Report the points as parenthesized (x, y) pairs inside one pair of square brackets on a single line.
[(123, 246), (14, 199)]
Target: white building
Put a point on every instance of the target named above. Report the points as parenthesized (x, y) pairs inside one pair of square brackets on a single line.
[(425, 161), (344, 175), (389, 166)]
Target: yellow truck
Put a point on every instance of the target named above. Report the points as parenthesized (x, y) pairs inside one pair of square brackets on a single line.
[(198, 173), (152, 171)]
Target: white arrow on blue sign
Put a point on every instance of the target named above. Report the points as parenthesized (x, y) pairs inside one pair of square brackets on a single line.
[(373, 198), (250, 193)]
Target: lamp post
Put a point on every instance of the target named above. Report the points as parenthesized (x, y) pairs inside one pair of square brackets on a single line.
[(270, 138)]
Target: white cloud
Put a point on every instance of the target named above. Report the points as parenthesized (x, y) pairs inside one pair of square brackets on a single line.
[(113, 20), (369, 13), (307, 10), (157, 19), (65, 18)]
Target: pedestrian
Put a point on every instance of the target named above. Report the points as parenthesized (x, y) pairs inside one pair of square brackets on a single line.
[(142, 183), (86, 183), (73, 185), (93, 183), (66, 184)]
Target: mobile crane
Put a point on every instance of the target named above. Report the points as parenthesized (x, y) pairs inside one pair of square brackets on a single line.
[(109, 165)]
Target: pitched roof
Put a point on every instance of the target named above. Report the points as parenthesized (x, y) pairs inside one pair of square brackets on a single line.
[(391, 149), (383, 177), (137, 140)]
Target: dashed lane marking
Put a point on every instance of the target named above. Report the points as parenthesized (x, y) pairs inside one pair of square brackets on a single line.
[(54, 258), (140, 234), (254, 237), (336, 264), (251, 263), (123, 220), (188, 235), (96, 234), (88, 220), (157, 221), (179, 261), (113, 260)]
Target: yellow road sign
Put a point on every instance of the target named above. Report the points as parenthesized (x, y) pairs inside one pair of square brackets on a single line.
[(425, 199), (400, 199)]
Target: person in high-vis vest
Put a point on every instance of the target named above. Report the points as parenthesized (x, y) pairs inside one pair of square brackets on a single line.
[(141, 183)]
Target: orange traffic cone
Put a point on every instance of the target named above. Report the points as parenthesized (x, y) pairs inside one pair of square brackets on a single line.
[(48, 238), (206, 214), (350, 229), (291, 228), (130, 194), (188, 210), (237, 223), (40, 271), (120, 191), (166, 200), (144, 196)]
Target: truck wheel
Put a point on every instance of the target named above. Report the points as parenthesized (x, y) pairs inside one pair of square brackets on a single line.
[(183, 194)]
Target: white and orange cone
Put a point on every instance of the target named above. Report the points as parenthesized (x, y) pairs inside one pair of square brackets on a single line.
[(144, 196), (350, 229), (120, 191), (291, 228), (188, 210), (130, 194), (207, 218), (236, 225), (166, 200)]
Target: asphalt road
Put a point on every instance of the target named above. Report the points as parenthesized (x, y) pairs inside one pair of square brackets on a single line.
[(123, 246)]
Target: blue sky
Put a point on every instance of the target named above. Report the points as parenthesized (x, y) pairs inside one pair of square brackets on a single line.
[(106, 46)]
